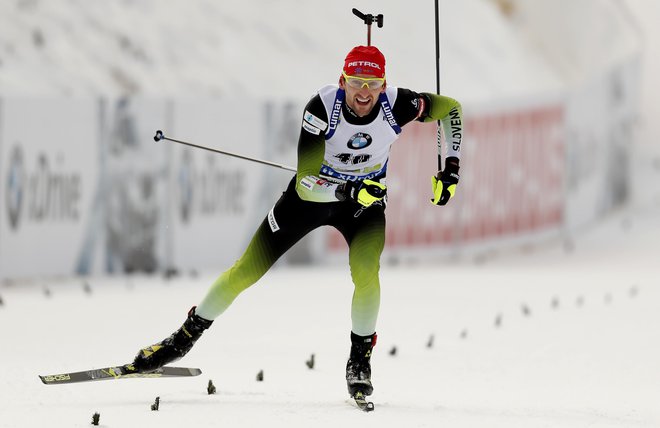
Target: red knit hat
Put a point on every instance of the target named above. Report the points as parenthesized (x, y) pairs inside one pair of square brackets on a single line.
[(365, 60)]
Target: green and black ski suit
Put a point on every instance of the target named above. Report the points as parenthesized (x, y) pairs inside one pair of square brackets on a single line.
[(334, 146)]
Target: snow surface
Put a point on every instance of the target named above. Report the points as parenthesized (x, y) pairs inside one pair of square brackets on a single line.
[(589, 359)]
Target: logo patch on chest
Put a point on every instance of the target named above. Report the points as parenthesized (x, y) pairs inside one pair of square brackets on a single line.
[(359, 141), (351, 159)]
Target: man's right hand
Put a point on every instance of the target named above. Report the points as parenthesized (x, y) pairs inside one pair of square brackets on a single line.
[(363, 192)]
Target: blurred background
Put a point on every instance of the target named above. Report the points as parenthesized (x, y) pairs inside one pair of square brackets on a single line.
[(560, 101)]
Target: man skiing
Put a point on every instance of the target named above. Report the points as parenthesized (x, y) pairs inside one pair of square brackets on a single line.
[(343, 150)]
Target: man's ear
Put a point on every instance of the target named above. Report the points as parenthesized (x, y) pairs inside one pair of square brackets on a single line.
[(342, 82), (384, 86)]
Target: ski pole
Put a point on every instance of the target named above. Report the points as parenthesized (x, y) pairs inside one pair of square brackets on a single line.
[(437, 78), (368, 20), (160, 136)]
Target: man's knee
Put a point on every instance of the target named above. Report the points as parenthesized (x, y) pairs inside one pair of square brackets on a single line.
[(365, 274)]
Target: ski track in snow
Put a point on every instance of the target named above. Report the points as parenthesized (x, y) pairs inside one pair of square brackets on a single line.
[(587, 360)]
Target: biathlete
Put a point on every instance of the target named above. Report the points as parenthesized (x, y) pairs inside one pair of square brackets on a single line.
[(343, 151)]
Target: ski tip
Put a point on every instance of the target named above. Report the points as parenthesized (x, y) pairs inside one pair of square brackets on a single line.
[(362, 403), (191, 371), (195, 371), (53, 379)]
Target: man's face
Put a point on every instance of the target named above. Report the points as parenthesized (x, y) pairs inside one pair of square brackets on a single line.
[(359, 97)]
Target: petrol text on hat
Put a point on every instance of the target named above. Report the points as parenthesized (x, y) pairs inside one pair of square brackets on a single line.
[(363, 64)]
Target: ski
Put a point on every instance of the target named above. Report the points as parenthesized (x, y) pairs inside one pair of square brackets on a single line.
[(362, 403), (118, 372)]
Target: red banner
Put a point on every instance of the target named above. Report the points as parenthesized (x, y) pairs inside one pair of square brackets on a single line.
[(512, 167)]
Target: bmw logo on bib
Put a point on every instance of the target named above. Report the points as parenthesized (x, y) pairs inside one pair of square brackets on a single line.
[(359, 141)]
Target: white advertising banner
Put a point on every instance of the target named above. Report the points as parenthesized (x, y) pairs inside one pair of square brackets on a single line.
[(217, 201), (48, 158), (126, 230), (88, 191)]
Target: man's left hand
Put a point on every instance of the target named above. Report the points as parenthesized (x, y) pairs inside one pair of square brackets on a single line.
[(363, 192), (444, 183)]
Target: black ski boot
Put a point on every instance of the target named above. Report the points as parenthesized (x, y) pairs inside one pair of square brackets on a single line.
[(174, 347), (358, 368)]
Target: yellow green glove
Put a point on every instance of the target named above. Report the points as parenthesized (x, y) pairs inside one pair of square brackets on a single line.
[(363, 192), (444, 183)]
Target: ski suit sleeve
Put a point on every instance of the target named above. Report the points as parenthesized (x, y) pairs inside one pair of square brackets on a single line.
[(311, 150), (427, 107), (409, 106), (449, 112)]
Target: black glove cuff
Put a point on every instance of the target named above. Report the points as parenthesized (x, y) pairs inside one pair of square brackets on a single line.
[(344, 190), (452, 165)]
